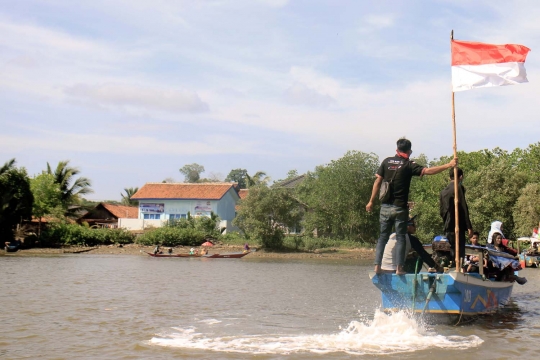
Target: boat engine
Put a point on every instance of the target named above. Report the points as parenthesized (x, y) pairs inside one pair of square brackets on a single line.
[(442, 251)]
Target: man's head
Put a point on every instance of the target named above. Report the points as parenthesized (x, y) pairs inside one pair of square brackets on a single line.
[(411, 225), (474, 238), (404, 145), (459, 174)]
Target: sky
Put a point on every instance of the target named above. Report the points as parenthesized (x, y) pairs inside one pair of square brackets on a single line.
[(129, 91)]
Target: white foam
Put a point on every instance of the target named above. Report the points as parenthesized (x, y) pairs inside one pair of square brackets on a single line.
[(210, 321), (385, 334)]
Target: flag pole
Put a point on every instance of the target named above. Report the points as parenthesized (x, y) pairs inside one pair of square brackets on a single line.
[(456, 180)]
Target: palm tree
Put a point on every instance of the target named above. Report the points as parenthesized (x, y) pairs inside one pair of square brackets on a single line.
[(7, 166), (126, 199), (71, 188), (259, 178)]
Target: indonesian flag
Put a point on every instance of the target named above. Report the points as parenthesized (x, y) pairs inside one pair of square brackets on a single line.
[(476, 65)]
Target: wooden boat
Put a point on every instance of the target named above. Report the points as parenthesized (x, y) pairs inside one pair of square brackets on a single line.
[(235, 255), (449, 293), (529, 256), (453, 292)]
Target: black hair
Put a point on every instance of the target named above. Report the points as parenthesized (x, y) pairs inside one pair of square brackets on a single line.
[(404, 145), (476, 233), (459, 173)]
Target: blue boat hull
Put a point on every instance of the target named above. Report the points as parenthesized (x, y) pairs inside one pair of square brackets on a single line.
[(452, 293)]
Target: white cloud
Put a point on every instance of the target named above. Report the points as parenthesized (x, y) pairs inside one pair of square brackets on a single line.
[(129, 145), (160, 99), (299, 94)]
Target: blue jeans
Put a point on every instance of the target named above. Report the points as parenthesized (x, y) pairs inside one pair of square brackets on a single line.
[(391, 216)]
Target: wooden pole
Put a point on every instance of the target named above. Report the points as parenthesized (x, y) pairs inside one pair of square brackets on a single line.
[(456, 180)]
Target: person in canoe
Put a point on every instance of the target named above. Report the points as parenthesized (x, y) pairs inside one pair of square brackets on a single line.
[(246, 248), (156, 250)]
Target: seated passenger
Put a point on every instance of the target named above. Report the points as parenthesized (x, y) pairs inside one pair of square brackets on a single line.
[(170, 251), (156, 250), (474, 239), (191, 251), (389, 261), (246, 248), (503, 268)]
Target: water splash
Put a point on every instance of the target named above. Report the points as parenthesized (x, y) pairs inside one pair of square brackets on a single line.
[(385, 334)]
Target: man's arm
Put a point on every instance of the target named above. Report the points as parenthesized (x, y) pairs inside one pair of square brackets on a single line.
[(437, 169), (374, 192)]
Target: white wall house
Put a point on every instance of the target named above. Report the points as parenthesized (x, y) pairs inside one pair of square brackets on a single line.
[(160, 202)]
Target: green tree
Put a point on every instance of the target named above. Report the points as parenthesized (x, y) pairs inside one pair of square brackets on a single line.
[(72, 188), (126, 198), (266, 213), (527, 210), (238, 176), (336, 195), (192, 172), (47, 198), (16, 198)]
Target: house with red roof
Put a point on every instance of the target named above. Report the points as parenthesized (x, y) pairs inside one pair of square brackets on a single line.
[(107, 215), (167, 201)]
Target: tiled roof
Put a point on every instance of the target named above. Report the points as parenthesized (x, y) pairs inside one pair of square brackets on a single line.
[(203, 191), (243, 193), (292, 182), (122, 211)]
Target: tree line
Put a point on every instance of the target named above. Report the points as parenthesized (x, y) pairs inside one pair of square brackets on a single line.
[(330, 202)]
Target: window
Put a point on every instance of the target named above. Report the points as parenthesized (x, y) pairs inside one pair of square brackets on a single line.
[(177, 216), (152, 216)]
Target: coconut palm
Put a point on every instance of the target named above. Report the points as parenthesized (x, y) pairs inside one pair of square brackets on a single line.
[(126, 199), (72, 188), (259, 178)]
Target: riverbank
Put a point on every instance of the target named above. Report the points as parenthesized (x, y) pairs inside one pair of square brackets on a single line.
[(140, 250)]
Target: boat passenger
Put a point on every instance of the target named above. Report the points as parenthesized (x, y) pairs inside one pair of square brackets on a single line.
[(170, 251), (474, 239), (246, 248), (204, 251), (156, 250), (191, 251), (505, 273), (389, 262), (496, 227)]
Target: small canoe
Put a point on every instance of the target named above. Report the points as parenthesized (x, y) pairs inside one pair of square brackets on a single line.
[(172, 255), (236, 255)]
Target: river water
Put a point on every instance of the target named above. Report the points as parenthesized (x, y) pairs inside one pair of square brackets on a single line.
[(135, 307)]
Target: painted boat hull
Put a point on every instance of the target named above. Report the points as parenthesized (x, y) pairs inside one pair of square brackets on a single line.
[(213, 256), (454, 293)]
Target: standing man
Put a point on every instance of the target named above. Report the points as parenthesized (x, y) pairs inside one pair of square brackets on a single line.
[(398, 171), (448, 214)]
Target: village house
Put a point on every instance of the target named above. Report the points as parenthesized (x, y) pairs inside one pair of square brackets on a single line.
[(106, 215), (161, 202)]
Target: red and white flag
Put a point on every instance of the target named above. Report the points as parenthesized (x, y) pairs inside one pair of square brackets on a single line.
[(476, 65)]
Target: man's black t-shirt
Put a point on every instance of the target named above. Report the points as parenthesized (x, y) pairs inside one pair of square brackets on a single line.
[(406, 169)]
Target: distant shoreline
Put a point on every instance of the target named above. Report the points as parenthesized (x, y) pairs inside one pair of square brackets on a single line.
[(140, 250)]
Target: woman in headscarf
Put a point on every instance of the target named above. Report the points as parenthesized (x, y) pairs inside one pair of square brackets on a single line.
[(496, 227)]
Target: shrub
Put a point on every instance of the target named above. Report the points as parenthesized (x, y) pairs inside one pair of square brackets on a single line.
[(172, 236), (73, 234)]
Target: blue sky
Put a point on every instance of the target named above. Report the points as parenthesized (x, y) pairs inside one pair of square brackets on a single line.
[(130, 90)]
